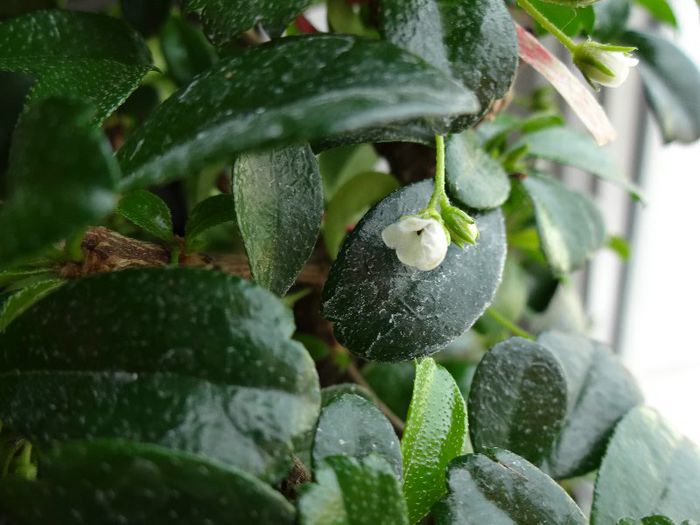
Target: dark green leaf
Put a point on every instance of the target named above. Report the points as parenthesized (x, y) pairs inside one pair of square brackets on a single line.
[(351, 425), (661, 10), (61, 178), (13, 90), (600, 392), (147, 211), (474, 178), (78, 55), (393, 383), (211, 212), (339, 165), (350, 492), (576, 149), (473, 41), (436, 432), (117, 482), (146, 16), (224, 20), (330, 393), (207, 353), (387, 311), (23, 299), (610, 19), (517, 400), (648, 469), (649, 520), (185, 50), (500, 488), (279, 205), (350, 202), (263, 98), (569, 223), (671, 85)]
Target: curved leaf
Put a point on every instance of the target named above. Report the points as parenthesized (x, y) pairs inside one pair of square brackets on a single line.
[(16, 304), (84, 56), (185, 50), (661, 468), (279, 205), (436, 431), (501, 488), (386, 311), (208, 213), (116, 482), (290, 90), (147, 211), (517, 400), (61, 178)]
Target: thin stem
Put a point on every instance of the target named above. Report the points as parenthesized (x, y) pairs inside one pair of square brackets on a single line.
[(358, 378), (549, 26), (439, 196), (508, 324)]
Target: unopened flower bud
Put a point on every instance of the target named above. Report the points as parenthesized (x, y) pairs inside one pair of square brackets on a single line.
[(603, 65), (463, 229), (419, 241)]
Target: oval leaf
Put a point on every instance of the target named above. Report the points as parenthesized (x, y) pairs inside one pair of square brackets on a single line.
[(279, 205), (84, 56), (261, 98), (501, 488), (384, 310), (47, 205), (600, 392), (147, 211), (351, 425), (660, 467), (517, 400), (208, 353), (435, 433), (113, 482)]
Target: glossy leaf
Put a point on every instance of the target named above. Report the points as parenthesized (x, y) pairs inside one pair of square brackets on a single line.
[(224, 20), (55, 141), (279, 205), (474, 179), (147, 211), (473, 41), (350, 202), (116, 482), (208, 353), (518, 400), (210, 212), (501, 488), (569, 223), (291, 90), (600, 392), (185, 50), (23, 299), (435, 433), (671, 84), (90, 57), (648, 469), (384, 310), (351, 425), (352, 492)]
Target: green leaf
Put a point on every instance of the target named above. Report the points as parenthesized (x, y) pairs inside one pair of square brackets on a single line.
[(210, 212), (517, 400), (351, 425), (279, 206), (600, 392), (48, 205), (661, 468), (339, 165), (611, 18), (384, 310), (393, 383), (112, 482), (649, 520), (661, 10), (224, 20), (569, 223), (352, 492), (572, 21), (501, 488), (435, 433), (473, 41), (147, 211), (474, 179), (261, 98), (346, 17), (671, 84), (85, 56), (209, 354), (185, 49), (146, 16), (20, 301), (350, 203), (576, 149)]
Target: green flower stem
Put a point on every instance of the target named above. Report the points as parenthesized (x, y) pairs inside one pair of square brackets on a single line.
[(508, 324), (549, 26), (439, 196)]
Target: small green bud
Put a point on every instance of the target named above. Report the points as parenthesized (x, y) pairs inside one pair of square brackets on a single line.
[(460, 225), (603, 64)]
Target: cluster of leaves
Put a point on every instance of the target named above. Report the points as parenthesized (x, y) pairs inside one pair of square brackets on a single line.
[(185, 395)]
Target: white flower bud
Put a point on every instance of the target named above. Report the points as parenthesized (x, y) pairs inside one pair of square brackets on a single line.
[(418, 241), (600, 66)]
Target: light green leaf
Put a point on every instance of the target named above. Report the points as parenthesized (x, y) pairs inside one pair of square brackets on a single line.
[(147, 211), (210, 212), (661, 10), (339, 165)]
